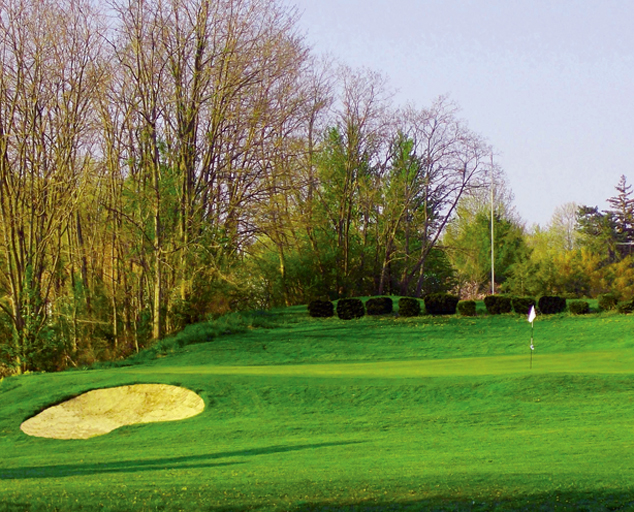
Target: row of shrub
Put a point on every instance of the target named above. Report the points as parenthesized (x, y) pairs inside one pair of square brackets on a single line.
[(547, 304), (435, 304), (447, 304), (348, 309)]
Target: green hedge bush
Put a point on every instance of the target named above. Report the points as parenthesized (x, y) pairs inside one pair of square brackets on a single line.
[(522, 305), (626, 307), (408, 307), (347, 309), (379, 306), (607, 301), (498, 304), (467, 307), (321, 309), (579, 307), (551, 304), (441, 304)]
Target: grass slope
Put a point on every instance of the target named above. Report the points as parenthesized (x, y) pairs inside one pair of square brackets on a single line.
[(371, 414)]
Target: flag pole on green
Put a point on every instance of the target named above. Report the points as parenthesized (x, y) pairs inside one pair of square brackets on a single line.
[(531, 318)]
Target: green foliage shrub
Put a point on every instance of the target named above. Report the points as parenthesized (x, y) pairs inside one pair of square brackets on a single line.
[(467, 307), (579, 307), (522, 305), (551, 304), (441, 304), (321, 309), (607, 301), (626, 307), (203, 332), (206, 300), (379, 306), (181, 314), (498, 304), (408, 307), (52, 345), (7, 348), (347, 309), (470, 236)]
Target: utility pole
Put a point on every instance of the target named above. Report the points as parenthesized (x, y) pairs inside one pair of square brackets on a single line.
[(492, 231)]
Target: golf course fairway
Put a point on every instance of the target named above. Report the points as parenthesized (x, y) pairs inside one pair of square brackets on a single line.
[(372, 414)]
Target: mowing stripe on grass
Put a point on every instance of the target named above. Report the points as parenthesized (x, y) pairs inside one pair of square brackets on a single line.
[(607, 362)]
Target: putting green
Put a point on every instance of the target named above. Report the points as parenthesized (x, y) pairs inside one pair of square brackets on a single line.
[(606, 362)]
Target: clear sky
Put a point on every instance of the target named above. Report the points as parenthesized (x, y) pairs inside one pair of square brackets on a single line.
[(549, 83)]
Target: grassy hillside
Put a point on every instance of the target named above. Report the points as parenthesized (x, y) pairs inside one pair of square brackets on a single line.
[(371, 414)]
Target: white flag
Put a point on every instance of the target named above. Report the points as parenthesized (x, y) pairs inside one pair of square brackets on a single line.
[(531, 314)]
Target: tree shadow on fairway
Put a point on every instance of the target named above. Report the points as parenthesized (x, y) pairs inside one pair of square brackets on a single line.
[(598, 501), (11, 506), (158, 464)]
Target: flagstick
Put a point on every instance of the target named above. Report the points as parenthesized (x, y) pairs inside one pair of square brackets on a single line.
[(532, 347), (531, 318), (531, 359)]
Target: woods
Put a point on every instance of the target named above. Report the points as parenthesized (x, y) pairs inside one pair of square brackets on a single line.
[(163, 161)]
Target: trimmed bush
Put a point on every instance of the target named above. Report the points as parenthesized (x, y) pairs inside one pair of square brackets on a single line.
[(408, 306), (579, 307), (467, 308), (441, 304), (321, 309), (347, 309), (626, 307), (522, 305), (379, 306), (607, 301), (551, 304), (498, 304)]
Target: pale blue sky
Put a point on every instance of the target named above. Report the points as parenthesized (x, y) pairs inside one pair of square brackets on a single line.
[(550, 84)]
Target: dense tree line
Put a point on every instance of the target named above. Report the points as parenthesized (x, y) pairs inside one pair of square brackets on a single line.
[(165, 160), (582, 252)]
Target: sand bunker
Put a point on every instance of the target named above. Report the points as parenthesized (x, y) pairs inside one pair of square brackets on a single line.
[(101, 411)]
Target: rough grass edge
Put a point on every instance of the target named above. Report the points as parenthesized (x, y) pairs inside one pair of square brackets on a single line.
[(202, 332)]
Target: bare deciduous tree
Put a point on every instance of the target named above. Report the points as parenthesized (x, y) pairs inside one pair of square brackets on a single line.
[(49, 73), (211, 89), (443, 161)]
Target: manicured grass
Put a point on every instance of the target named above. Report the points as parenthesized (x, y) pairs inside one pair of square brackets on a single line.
[(371, 414)]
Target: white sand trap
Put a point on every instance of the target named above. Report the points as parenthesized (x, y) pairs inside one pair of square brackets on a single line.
[(101, 411)]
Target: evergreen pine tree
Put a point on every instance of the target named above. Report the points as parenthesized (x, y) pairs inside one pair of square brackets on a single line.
[(598, 231), (622, 210)]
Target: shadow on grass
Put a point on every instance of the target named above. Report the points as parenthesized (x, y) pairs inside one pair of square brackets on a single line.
[(11, 506), (598, 501), (571, 501), (131, 466)]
